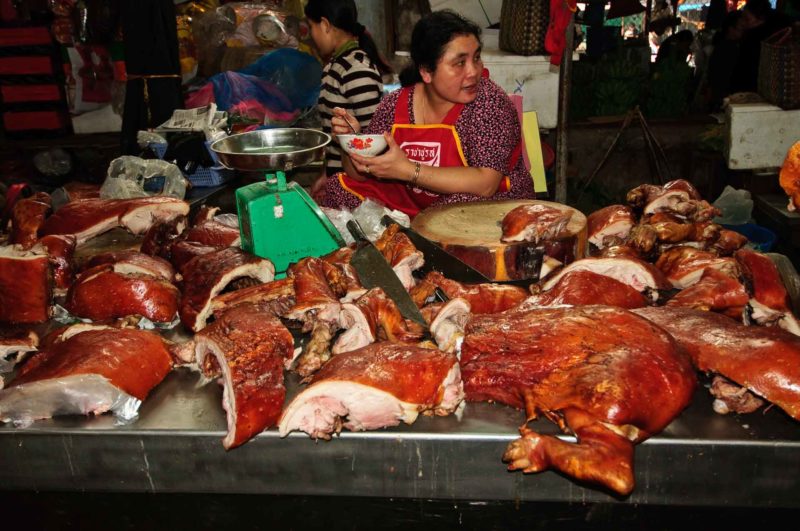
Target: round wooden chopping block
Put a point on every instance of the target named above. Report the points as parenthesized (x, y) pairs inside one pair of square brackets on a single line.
[(472, 232)]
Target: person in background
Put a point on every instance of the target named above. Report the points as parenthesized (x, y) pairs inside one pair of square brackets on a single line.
[(760, 21), (453, 134), (724, 57), (351, 77), (677, 46)]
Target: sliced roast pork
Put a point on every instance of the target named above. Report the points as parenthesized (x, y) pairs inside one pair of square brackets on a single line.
[(315, 298), (15, 345), (684, 265), (603, 374), (535, 223), (277, 295), (205, 276), (250, 346), (26, 285), (401, 254), (447, 327), (486, 297), (377, 386), (614, 221), (638, 274), (90, 372), (134, 263), (580, 288), (221, 231), (104, 292), (159, 238), (27, 217), (88, 218), (765, 360)]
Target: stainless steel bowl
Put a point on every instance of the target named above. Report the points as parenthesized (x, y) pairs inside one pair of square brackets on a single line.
[(271, 149)]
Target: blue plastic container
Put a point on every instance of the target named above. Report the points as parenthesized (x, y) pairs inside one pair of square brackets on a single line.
[(213, 176), (761, 238)]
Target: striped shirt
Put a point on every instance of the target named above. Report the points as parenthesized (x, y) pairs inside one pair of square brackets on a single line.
[(350, 81)]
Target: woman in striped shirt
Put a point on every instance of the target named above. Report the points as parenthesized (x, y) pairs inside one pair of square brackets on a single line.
[(351, 78)]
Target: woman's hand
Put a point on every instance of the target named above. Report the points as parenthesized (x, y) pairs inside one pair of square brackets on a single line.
[(340, 121), (392, 164)]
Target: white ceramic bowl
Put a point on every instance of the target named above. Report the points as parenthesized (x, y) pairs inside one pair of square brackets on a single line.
[(364, 145)]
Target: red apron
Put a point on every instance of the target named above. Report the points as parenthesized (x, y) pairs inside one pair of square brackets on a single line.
[(432, 145)]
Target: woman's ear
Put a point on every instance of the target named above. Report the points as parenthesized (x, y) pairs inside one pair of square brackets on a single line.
[(426, 75), (325, 24)]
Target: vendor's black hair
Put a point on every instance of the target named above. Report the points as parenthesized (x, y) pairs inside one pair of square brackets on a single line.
[(343, 14), (430, 37)]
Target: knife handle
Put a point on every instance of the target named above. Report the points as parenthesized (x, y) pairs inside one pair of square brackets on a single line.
[(386, 220), (356, 230)]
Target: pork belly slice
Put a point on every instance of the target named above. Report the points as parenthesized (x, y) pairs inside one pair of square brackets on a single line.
[(580, 288), (534, 223), (377, 386), (61, 250), (603, 374), (90, 372), (134, 263), (638, 274), (101, 294), (447, 327), (182, 252), (205, 276), (614, 221), (216, 232), (250, 346), (88, 218), (764, 360), (684, 265), (26, 285), (27, 217), (401, 254), (276, 295), (715, 291), (15, 344)]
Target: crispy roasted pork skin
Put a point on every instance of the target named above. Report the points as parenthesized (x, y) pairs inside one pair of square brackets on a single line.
[(315, 299), (715, 291), (579, 288), (214, 233), (159, 238), (789, 178), (277, 296), (134, 262), (614, 221), (205, 276), (250, 346), (26, 285), (604, 374), (728, 242), (638, 274), (684, 265), (89, 372), (61, 250), (482, 298), (765, 360), (27, 217), (764, 279), (534, 223), (377, 386), (90, 217), (102, 293)]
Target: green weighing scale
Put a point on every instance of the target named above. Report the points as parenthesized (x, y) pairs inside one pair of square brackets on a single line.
[(279, 220)]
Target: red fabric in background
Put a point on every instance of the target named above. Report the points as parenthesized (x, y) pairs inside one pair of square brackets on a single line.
[(556, 39)]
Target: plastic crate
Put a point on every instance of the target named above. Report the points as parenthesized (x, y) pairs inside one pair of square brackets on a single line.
[(202, 177), (760, 238)]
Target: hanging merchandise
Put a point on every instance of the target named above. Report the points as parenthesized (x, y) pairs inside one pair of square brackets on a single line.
[(523, 24)]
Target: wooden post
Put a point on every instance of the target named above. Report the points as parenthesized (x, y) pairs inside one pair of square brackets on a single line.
[(564, 85)]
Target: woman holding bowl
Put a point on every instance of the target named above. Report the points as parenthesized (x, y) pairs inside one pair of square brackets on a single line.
[(453, 135)]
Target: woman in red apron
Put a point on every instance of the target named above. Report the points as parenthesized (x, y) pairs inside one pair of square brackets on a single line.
[(453, 134)]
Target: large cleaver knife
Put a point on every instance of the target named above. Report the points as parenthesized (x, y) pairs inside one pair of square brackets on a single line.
[(375, 272)]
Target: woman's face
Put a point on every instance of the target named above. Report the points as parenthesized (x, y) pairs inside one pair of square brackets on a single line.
[(458, 71), (321, 36)]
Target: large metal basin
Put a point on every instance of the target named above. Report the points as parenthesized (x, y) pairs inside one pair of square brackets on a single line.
[(271, 149)]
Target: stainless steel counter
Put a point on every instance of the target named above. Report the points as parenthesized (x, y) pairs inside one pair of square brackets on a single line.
[(175, 446)]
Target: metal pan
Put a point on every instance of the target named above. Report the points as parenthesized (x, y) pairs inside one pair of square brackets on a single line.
[(271, 149)]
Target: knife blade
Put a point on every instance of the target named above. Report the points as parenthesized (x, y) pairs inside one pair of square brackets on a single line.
[(375, 272), (437, 259)]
